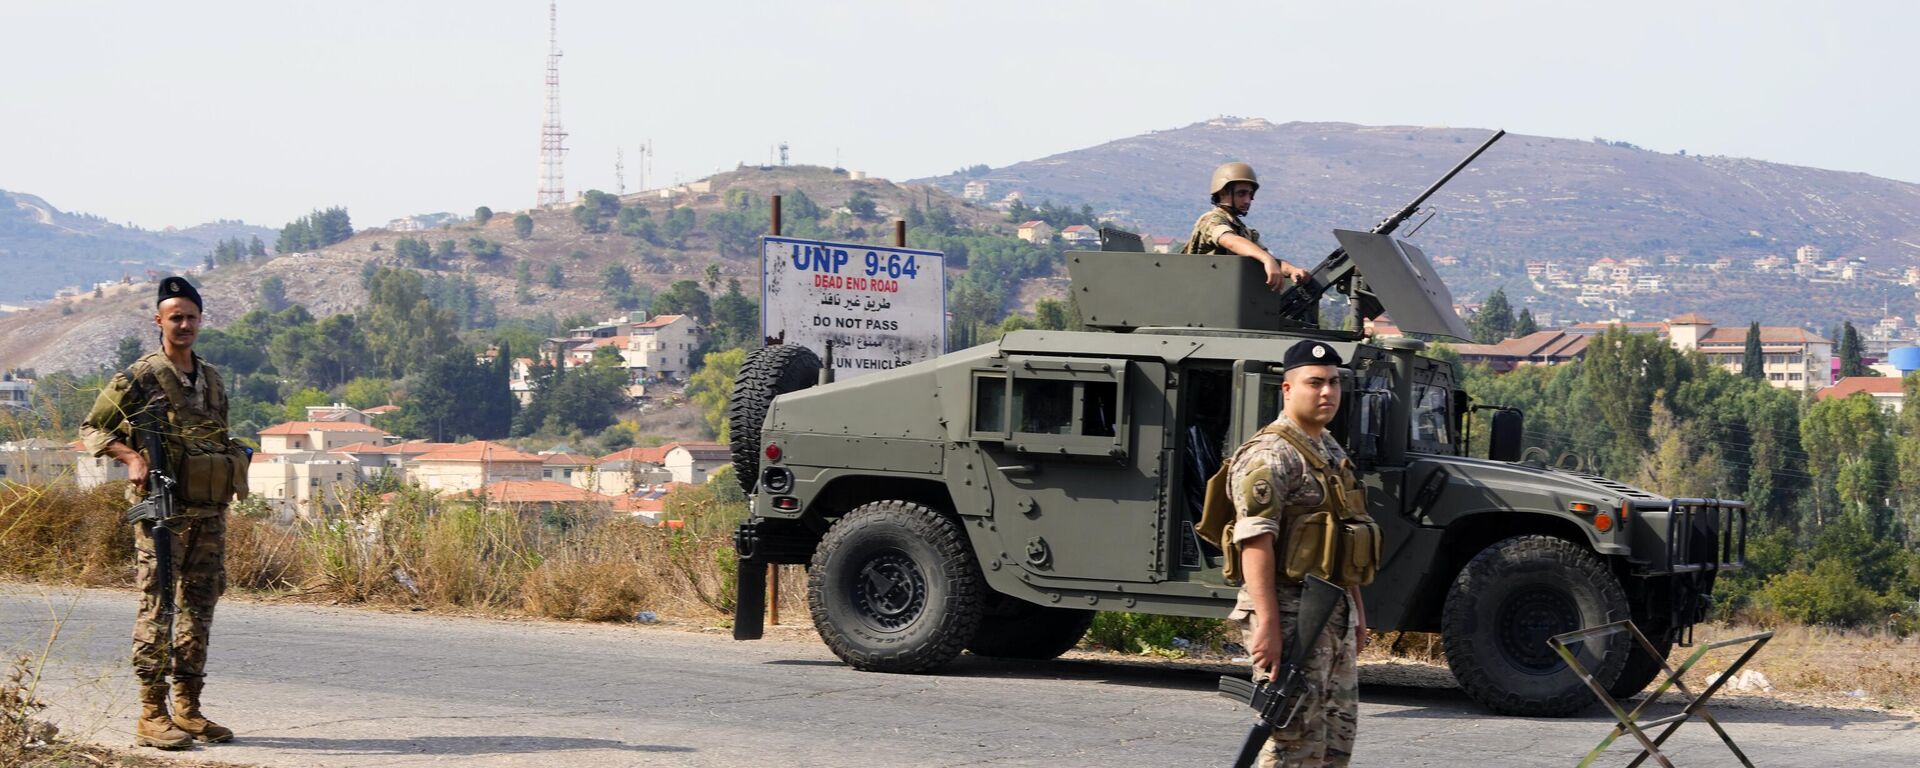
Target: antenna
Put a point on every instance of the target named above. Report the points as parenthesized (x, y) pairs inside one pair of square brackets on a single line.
[(553, 150), (783, 153), (619, 171)]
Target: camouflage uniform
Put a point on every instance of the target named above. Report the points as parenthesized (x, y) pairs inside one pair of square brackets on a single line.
[(1218, 221), (1269, 473), (199, 541)]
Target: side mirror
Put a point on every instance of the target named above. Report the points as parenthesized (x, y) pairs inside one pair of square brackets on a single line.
[(1507, 429)]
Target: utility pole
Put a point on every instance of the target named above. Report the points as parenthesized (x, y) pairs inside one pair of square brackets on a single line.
[(553, 150)]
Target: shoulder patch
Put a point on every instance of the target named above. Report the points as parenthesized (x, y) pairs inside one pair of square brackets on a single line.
[(1256, 490)]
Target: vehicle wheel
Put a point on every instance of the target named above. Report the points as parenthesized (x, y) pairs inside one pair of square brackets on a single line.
[(894, 588), (1012, 628), (1640, 669), (1508, 601), (768, 372)]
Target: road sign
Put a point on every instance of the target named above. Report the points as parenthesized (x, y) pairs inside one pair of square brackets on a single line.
[(881, 307)]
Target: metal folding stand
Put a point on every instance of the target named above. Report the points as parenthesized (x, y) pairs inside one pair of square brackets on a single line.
[(1629, 722)]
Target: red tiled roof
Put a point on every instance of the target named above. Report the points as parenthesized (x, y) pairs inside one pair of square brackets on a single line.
[(1078, 228), (1690, 318), (1031, 224), (568, 459), (659, 321), (413, 447), (478, 451), (1768, 335), (1853, 385), (303, 427), (654, 455)]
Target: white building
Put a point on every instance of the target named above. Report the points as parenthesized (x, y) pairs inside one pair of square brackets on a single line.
[(302, 436), (662, 348), (15, 393), (695, 462), (36, 461), (469, 466), (305, 483)]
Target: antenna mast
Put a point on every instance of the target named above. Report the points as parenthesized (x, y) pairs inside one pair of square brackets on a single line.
[(553, 150), (619, 171)]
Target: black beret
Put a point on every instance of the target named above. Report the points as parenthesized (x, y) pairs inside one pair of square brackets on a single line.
[(176, 287), (1310, 353)]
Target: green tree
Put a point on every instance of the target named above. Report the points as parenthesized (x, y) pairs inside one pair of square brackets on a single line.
[(273, 293), (482, 215), (736, 320), (444, 253), (366, 392), (583, 398), (684, 297), (523, 282), (523, 226), (1907, 451), (554, 278), (680, 223), (487, 251), (1525, 325), (414, 253), (1851, 458), (296, 405), (710, 387), (1753, 364), (861, 205), (1494, 321), (1850, 353), (402, 326), (1619, 376), (1684, 464), (452, 396), (1055, 315)]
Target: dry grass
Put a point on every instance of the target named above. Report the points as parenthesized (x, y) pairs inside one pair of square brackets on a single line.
[(1863, 667), (415, 550)]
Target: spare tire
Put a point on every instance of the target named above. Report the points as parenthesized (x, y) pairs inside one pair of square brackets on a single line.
[(767, 373)]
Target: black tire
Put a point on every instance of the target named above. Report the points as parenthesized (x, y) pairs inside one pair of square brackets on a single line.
[(1011, 628), (894, 587), (1508, 601), (1640, 669), (768, 372)]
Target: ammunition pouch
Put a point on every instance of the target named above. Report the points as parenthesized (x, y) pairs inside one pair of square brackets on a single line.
[(213, 477)]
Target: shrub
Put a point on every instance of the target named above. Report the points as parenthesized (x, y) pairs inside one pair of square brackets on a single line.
[(1144, 633)]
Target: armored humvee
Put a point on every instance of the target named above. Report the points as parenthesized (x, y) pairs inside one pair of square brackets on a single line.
[(994, 498)]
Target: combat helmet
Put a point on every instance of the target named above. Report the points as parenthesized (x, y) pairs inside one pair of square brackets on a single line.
[(1229, 173)]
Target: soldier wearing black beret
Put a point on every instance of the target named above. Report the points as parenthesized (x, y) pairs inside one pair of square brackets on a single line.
[(1288, 481), (209, 470)]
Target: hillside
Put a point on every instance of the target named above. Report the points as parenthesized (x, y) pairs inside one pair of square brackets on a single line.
[(44, 249), (1527, 198), (80, 334)]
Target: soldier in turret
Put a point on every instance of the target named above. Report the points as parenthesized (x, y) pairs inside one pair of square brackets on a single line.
[(190, 403), (1221, 231)]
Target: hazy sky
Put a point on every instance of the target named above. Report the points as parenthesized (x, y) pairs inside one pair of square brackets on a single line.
[(177, 113)]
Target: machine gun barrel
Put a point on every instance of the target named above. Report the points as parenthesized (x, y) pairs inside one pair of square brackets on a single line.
[(1301, 303), (1390, 223)]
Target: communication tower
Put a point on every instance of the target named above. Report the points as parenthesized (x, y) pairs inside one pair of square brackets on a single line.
[(783, 153), (553, 150), (619, 171)]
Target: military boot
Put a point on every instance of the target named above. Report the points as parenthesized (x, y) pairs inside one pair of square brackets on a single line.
[(186, 712), (155, 728)]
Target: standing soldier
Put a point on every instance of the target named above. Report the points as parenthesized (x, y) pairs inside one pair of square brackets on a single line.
[(1298, 510), (1220, 230), (188, 404)]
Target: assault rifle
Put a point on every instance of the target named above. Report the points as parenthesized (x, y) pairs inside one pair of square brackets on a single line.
[(1301, 303), (158, 508), (1279, 699)]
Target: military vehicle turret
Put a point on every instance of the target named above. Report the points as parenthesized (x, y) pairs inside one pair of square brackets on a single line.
[(992, 499)]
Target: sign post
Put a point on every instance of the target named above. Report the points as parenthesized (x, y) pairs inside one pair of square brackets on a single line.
[(880, 307)]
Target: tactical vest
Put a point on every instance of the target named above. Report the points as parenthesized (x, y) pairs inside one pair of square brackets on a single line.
[(1336, 539), (208, 467), (1234, 222)]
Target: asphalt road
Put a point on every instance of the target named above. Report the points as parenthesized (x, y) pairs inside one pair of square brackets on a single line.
[(319, 686)]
